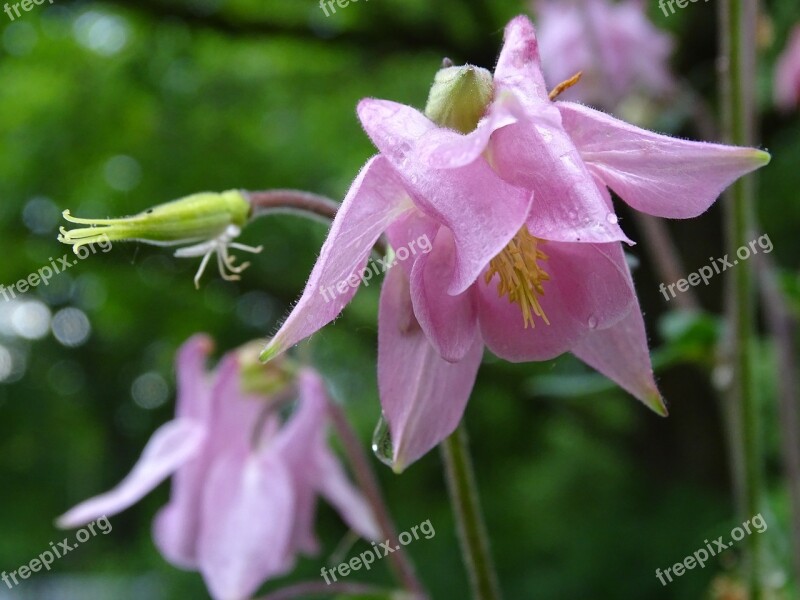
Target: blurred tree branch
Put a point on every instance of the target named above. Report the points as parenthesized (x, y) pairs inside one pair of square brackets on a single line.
[(382, 36)]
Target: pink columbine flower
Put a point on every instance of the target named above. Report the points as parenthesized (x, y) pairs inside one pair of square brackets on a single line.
[(616, 46), (526, 255), (787, 74), (244, 486)]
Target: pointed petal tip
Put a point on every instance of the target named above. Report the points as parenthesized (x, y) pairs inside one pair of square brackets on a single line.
[(655, 402), (62, 522), (521, 22), (269, 352), (762, 156)]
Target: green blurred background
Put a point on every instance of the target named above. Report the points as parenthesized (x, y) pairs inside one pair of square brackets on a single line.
[(107, 108)]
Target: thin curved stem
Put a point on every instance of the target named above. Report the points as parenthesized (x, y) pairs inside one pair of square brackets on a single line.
[(292, 201), (300, 203), (400, 563), (467, 510)]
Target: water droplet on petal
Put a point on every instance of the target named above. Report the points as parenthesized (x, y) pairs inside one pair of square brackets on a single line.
[(612, 218), (382, 443), (592, 322)]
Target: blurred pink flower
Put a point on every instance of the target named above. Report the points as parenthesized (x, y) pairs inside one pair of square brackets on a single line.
[(616, 46), (787, 74), (244, 486), (526, 255)]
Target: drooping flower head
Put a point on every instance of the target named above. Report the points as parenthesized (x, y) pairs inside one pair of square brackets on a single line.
[(526, 256), (616, 46), (787, 74), (244, 484), (208, 221)]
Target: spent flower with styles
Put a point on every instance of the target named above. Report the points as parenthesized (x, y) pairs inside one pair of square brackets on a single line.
[(244, 483), (206, 224), (786, 84), (513, 189)]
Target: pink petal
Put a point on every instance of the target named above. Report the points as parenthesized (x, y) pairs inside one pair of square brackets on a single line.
[(621, 354), (413, 228), (588, 289), (335, 487), (422, 395), (194, 383), (231, 417), (469, 196), (304, 538), (537, 154), (656, 174), (458, 198), (170, 446), (305, 429), (446, 149), (248, 511), (393, 127), (303, 445), (786, 89), (376, 199), (449, 322), (175, 526), (519, 65), (235, 414)]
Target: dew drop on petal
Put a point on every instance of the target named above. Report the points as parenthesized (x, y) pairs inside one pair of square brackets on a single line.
[(382, 443), (592, 322), (612, 218)]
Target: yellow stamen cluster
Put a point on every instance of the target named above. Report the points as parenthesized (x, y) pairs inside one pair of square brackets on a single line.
[(521, 276)]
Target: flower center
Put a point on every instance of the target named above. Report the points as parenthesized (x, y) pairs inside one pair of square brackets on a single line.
[(521, 276)]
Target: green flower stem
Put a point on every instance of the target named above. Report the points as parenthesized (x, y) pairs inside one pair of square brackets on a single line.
[(738, 19), (466, 508)]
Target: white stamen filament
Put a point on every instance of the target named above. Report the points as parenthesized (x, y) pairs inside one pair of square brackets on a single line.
[(219, 246)]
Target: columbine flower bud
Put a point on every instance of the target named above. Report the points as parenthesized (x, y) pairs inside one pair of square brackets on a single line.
[(266, 379), (210, 221), (459, 97)]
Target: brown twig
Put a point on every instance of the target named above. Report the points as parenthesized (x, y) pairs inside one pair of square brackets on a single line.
[(368, 483), (665, 257)]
